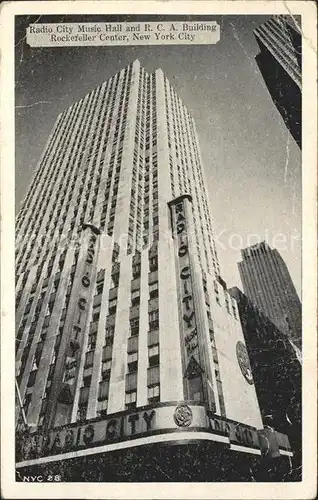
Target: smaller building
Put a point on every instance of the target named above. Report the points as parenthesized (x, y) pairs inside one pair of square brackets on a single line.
[(268, 284), (276, 368)]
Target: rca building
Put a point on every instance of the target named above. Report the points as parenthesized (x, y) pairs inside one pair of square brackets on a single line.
[(128, 341)]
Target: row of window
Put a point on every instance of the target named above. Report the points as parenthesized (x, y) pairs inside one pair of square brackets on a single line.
[(54, 171), (40, 344), (214, 350), (179, 111)]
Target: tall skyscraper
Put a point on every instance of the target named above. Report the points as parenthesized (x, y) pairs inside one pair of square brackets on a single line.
[(279, 61), (267, 282), (125, 329)]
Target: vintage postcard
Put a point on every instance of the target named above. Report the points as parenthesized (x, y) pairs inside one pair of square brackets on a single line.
[(159, 268)]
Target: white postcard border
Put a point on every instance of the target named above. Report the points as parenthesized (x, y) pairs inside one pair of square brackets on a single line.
[(304, 489)]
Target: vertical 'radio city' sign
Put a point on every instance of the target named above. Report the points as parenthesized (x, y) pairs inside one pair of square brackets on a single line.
[(79, 320), (179, 220)]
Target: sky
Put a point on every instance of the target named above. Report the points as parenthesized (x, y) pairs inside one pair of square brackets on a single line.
[(252, 164)]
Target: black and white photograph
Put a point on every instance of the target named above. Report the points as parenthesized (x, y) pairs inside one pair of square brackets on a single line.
[(159, 249)]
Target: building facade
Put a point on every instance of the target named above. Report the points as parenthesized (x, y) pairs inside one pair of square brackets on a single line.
[(125, 330), (279, 62), (277, 376), (267, 282)]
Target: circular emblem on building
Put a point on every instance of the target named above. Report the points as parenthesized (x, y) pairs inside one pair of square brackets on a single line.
[(183, 416), (244, 362)]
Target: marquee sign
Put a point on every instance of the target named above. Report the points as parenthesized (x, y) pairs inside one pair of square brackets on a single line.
[(146, 422), (239, 434)]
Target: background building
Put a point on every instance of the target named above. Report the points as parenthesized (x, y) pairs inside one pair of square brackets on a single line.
[(279, 61), (125, 329), (277, 373), (267, 282)]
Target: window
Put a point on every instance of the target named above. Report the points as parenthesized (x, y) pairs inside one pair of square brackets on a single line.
[(91, 342), (109, 341), (110, 330), (234, 309), (53, 357), (84, 393), (107, 352), (32, 378), (63, 315), (153, 320), (97, 301), (153, 289), (153, 375), (227, 304), (81, 412), (131, 381), (135, 284), (37, 355), (103, 390), (100, 275), (41, 420), (134, 327), (211, 335), (153, 355), (27, 401), (89, 358), (28, 307), (132, 344), (112, 306), (115, 278), (216, 289), (102, 406), (106, 367), (132, 361), (51, 372), (154, 393), (153, 337), (136, 270), (135, 297), (131, 399), (87, 381)]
